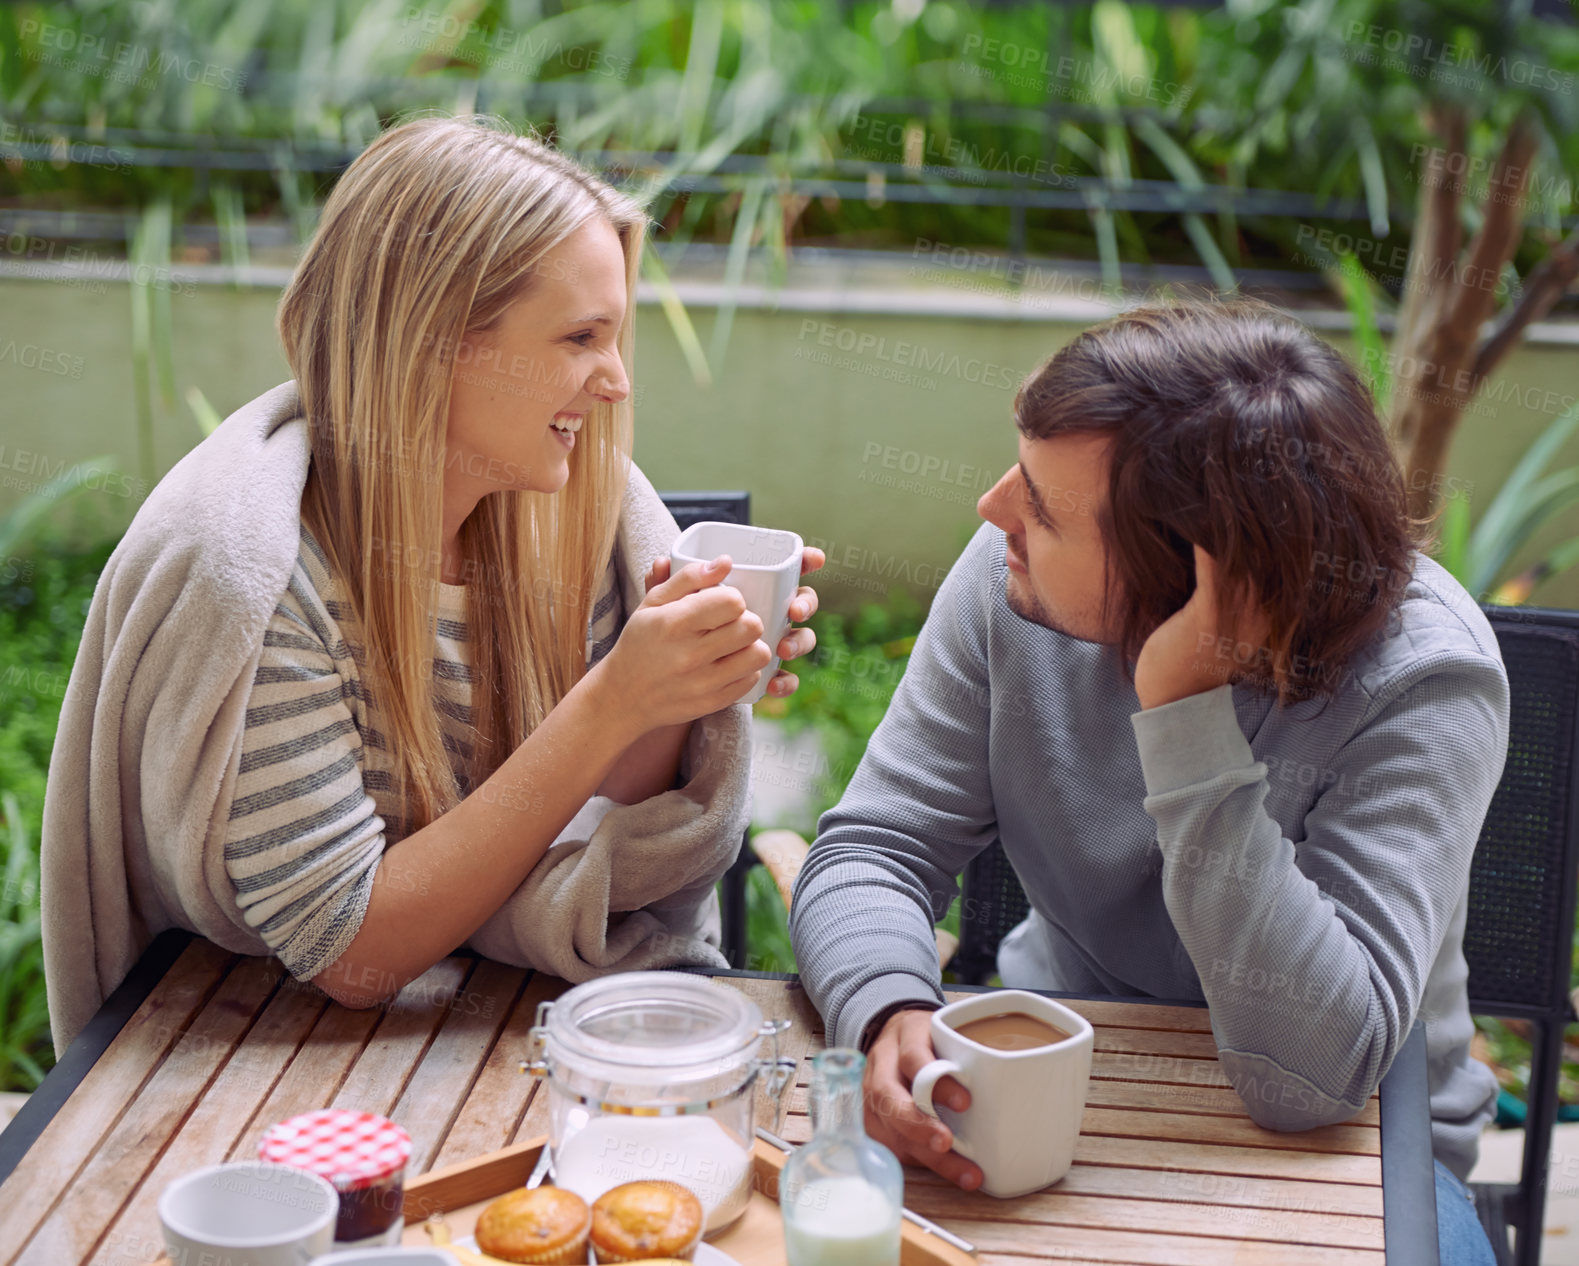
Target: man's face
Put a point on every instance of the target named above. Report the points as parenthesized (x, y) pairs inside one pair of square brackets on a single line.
[(1046, 505)]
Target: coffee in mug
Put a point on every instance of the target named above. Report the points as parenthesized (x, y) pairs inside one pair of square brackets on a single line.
[(1014, 1031)]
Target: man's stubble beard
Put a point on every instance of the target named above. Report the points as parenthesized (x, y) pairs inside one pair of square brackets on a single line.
[(1028, 607)]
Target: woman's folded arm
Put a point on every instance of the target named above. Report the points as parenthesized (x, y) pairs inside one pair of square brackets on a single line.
[(307, 851)]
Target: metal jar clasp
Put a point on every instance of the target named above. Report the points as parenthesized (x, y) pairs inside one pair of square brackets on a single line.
[(536, 1061), (780, 1069)]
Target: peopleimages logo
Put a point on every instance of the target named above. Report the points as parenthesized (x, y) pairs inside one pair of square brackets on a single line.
[(22, 468), (903, 354), (506, 49), (1420, 55), (120, 60), (1029, 65), (959, 157)]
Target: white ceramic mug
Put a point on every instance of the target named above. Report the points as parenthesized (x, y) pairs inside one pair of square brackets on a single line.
[(764, 566), (1025, 1106), (249, 1213)]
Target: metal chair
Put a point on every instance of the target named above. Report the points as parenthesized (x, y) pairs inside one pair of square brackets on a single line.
[(1518, 939), (727, 507)]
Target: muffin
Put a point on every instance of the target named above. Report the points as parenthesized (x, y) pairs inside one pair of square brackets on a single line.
[(546, 1226), (639, 1221)]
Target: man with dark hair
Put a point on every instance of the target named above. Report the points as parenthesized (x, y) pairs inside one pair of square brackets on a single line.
[(1236, 733)]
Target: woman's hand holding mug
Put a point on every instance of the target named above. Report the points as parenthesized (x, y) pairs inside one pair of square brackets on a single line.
[(692, 647)]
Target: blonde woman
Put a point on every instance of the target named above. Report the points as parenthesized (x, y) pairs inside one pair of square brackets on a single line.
[(402, 624)]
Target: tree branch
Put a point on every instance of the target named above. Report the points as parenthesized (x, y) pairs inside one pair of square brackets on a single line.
[(1545, 285), (1501, 227), (1437, 232)]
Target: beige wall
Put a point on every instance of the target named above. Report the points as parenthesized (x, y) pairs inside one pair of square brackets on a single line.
[(877, 453)]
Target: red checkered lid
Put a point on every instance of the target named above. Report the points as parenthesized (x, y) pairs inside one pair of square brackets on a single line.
[(350, 1149)]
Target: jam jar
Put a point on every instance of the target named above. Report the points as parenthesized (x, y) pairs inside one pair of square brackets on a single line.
[(363, 1155), (652, 1076)]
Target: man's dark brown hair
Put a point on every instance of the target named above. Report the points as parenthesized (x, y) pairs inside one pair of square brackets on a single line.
[(1233, 427)]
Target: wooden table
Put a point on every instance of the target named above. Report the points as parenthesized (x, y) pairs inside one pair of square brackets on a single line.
[(201, 1050)]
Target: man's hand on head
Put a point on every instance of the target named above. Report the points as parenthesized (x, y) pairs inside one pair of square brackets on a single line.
[(901, 1049), (1185, 654)]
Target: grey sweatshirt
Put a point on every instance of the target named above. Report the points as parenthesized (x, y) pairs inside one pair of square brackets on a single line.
[(1304, 872)]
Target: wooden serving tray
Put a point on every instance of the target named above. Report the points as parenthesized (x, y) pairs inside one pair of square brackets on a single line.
[(463, 1190)]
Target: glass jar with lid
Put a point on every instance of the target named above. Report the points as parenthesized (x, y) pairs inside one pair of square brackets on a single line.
[(652, 1075), (362, 1154)]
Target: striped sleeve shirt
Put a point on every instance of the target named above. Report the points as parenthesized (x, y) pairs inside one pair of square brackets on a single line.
[(313, 808)]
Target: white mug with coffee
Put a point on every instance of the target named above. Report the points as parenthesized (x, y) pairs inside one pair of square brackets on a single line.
[(764, 565), (1026, 1061)]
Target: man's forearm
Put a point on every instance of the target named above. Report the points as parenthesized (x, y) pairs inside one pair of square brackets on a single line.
[(863, 939)]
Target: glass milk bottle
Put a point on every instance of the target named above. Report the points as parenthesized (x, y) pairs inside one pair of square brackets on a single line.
[(841, 1193)]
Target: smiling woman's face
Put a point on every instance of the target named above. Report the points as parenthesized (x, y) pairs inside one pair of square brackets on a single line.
[(521, 391)]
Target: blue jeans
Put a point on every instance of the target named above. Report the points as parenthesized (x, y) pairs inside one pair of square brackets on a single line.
[(1461, 1240)]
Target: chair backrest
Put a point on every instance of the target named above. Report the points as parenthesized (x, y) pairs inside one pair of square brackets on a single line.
[(991, 903), (1518, 940), (706, 507), (1519, 934)]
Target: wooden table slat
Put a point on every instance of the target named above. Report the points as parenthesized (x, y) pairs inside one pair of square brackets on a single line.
[(1361, 1140), (1203, 1100), (407, 1026), (311, 1076), (1149, 1153), (1059, 1207), (1158, 1070), (220, 1115), (468, 1031), (1201, 1187), (1250, 1162), (491, 1115), (1152, 1248), (95, 1197), (1157, 1047), (67, 1143), (1160, 1127), (1160, 1097)]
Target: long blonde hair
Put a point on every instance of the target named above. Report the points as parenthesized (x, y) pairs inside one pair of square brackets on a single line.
[(428, 236)]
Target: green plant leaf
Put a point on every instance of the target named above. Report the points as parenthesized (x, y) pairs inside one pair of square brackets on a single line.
[(1506, 508), (679, 318), (1355, 285), (746, 220), (1543, 499), (1371, 175), (19, 524), (1560, 559), (231, 221), (1185, 173), (1453, 538), (207, 416)]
